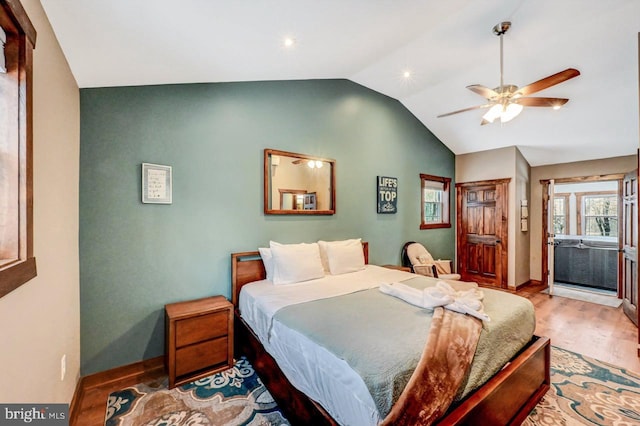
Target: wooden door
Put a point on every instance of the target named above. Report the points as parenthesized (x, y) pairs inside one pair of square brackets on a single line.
[(630, 246), (481, 209)]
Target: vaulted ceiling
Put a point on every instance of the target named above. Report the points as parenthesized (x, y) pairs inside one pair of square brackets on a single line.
[(443, 46)]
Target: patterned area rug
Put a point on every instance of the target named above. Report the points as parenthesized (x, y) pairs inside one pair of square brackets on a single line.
[(583, 392), (233, 397)]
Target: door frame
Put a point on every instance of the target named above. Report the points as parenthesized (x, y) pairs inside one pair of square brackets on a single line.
[(545, 229), (504, 233)]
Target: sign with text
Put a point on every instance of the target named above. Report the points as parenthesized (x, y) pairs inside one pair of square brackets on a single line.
[(387, 194)]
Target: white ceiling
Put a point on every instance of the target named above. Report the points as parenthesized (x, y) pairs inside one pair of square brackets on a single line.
[(446, 44)]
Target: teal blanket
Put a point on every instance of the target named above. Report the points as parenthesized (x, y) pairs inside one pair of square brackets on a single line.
[(382, 337)]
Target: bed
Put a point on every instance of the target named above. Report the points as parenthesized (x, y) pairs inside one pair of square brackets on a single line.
[(327, 390)]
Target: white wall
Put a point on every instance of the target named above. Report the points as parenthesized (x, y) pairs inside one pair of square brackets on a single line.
[(41, 319)]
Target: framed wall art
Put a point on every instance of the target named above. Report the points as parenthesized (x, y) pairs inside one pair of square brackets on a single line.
[(156, 184)]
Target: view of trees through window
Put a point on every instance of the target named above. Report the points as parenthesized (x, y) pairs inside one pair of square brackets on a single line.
[(601, 215), (560, 216), (435, 195), (432, 205), (586, 209)]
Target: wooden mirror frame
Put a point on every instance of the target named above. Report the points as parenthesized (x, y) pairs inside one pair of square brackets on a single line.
[(267, 184)]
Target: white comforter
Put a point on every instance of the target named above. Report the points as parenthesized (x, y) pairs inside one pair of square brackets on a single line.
[(309, 367)]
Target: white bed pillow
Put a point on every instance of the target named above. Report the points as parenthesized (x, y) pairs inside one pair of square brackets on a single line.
[(294, 263), (267, 260), (323, 254), (342, 256)]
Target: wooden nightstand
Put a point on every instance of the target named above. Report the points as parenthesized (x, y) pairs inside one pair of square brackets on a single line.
[(398, 267), (199, 338)]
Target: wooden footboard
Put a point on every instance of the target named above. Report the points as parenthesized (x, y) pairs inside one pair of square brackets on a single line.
[(509, 396), (506, 399)]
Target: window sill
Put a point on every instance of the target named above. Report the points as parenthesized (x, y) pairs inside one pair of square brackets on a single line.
[(435, 225), (13, 276)]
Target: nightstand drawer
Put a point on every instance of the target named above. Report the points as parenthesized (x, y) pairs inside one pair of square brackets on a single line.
[(203, 327), (201, 355)]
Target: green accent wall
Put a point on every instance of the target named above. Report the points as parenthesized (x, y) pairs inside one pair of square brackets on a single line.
[(135, 257)]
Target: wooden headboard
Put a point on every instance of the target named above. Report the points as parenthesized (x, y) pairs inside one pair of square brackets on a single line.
[(247, 267)]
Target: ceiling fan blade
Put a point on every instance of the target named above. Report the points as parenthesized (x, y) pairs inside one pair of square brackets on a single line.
[(483, 91), (463, 110), (546, 82), (541, 102)]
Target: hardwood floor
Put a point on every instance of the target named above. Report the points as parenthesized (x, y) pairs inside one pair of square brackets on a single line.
[(594, 330), (597, 331)]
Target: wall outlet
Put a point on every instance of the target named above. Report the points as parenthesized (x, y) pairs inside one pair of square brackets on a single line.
[(63, 367)]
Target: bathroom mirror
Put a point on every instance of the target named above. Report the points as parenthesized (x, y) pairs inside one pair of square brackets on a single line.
[(298, 183)]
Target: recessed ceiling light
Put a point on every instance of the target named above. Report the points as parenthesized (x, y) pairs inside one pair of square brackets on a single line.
[(406, 74), (288, 42)]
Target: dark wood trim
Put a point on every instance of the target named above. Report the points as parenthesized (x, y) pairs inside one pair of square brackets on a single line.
[(484, 182), (129, 374), (509, 396), (434, 225), (545, 217), (266, 192), (579, 179), (125, 372), (545, 232), (17, 274), (446, 203), (76, 402), (24, 268), (14, 7), (528, 283)]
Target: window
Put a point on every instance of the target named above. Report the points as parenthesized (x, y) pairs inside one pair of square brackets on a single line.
[(17, 264), (600, 215), (435, 201), (561, 215)]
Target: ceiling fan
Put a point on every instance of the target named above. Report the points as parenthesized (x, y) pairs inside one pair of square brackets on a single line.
[(507, 101)]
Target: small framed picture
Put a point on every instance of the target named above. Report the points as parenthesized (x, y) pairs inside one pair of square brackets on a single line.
[(156, 184)]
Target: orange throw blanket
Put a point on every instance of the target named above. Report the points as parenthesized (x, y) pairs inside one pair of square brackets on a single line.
[(442, 368)]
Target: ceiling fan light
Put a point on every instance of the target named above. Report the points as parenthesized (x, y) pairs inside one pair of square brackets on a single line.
[(493, 113), (510, 112)]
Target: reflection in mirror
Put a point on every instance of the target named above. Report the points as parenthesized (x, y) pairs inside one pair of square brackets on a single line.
[(298, 183)]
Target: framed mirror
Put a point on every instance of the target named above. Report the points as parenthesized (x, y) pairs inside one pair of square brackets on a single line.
[(298, 183)]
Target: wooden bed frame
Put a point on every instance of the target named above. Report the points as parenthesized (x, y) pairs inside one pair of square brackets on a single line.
[(506, 399)]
